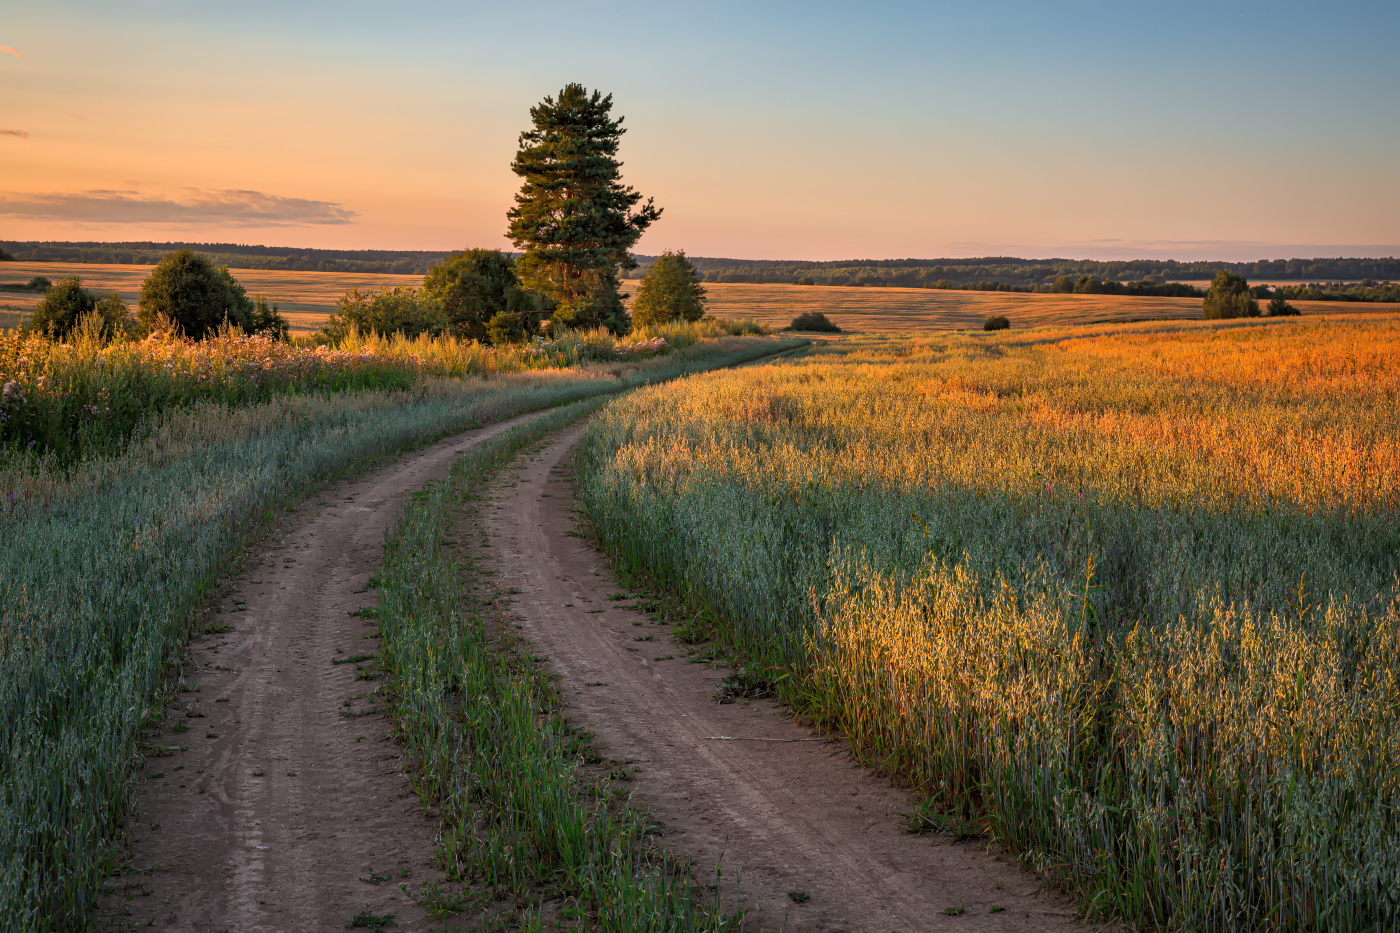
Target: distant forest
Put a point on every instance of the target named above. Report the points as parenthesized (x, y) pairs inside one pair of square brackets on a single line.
[(233, 255), (1003, 273), (918, 273)]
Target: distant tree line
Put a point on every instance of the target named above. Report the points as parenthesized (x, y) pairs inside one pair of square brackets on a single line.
[(1365, 290), (1024, 273), (236, 255)]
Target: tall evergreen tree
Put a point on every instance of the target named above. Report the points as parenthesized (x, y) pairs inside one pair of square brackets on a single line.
[(573, 216)]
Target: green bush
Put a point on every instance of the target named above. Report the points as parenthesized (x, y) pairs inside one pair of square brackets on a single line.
[(1229, 297), (68, 304), (814, 321), (39, 284), (1278, 307), (997, 322), (189, 293), (475, 286), (400, 310), (505, 328), (670, 291)]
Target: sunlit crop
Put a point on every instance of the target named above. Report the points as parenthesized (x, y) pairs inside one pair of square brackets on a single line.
[(1128, 599)]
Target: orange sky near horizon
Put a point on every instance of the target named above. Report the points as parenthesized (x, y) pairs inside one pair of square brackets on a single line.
[(158, 123)]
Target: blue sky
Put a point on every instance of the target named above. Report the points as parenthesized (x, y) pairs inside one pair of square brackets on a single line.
[(823, 131)]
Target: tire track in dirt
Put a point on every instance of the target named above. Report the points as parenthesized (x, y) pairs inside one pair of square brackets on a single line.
[(280, 813), (793, 815)]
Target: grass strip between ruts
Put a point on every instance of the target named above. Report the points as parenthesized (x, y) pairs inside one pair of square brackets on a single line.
[(493, 753)]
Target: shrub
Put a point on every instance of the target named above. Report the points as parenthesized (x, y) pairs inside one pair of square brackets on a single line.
[(505, 328), (188, 292), (1278, 307), (814, 321), (63, 307), (39, 284), (997, 322), (1229, 297), (670, 291), (400, 310), (68, 306), (474, 287)]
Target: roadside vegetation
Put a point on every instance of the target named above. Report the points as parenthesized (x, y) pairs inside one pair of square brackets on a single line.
[(521, 813), (106, 559), (1125, 600)]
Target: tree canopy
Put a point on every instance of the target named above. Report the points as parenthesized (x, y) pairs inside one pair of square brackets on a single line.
[(68, 305), (573, 216), (670, 291), (1229, 297), (190, 292), (475, 287)]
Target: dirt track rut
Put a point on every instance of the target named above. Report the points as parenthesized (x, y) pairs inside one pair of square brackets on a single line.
[(791, 814), (280, 813)]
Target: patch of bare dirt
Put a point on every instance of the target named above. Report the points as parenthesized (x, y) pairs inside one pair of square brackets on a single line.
[(817, 839)]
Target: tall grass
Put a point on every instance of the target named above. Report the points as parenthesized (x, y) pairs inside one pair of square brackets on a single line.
[(102, 564), (490, 748), (66, 401), (1130, 601)]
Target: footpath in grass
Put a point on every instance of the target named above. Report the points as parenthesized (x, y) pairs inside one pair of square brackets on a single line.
[(521, 814), (104, 563)]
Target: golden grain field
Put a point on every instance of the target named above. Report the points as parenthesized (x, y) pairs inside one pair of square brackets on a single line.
[(1124, 599)]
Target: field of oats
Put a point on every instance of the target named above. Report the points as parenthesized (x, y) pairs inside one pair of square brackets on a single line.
[(1125, 599), (154, 463)]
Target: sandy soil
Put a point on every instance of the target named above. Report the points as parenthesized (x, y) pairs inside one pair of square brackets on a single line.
[(793, 814), (279, 812)]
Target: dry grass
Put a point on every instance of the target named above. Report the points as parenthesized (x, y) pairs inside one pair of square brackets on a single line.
[(922, 310)]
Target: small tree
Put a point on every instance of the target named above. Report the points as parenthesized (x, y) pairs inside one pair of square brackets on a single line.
[(997, 322), (573, 216), (476, 286), (1229, 297), (400, 310), (68, 307), (670, 291), (1064, 285), (188, 291), (1278, 307)]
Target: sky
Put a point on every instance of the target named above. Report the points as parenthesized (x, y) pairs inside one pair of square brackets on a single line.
[(782, 130)]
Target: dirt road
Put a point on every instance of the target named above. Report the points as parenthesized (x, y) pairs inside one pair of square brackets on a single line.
[(286, 809), (794, 815)]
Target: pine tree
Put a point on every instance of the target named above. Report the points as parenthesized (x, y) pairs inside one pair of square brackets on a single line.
[(573, 216), (670, 291)]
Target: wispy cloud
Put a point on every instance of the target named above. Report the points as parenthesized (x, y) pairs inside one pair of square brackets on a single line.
[(190, 206), (6, 48), (20, 133)]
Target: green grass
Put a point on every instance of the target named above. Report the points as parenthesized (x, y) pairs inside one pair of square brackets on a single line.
[(491, 749), (104, 563)]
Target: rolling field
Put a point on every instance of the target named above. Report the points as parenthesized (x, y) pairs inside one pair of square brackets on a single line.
[(923, 310), (308, 298), (1126, 600)]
